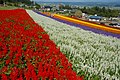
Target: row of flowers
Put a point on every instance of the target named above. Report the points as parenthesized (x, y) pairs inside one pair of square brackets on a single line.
[(96, 26), (94, 54), (27, 53), (88, 26)]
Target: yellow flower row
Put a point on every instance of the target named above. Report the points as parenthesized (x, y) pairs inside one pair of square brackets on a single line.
[(92, 25), (88, 24)]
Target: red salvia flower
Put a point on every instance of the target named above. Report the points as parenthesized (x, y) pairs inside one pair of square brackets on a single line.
[(4, 77), (27, 51)]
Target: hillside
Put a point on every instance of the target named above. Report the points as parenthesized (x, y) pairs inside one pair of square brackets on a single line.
[(95, 55)]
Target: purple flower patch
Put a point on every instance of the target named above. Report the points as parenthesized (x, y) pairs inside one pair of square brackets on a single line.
[(83, 27)]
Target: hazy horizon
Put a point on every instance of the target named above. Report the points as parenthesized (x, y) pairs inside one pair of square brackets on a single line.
[(77, 0)]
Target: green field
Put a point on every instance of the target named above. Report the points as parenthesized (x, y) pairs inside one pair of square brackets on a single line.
[(7, 7)]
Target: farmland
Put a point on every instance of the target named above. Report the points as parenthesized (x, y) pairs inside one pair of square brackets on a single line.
[(90, 53), (27, 52), (36, 47)]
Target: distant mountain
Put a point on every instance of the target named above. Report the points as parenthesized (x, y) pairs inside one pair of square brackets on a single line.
[(101, 4), (78, 0)]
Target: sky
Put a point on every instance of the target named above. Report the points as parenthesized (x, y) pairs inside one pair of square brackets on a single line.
[(79, 0)]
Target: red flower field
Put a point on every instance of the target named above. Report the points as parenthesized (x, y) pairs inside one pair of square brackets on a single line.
[(27, 53)]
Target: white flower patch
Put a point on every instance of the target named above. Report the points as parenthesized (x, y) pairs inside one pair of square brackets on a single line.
[(93, 53)]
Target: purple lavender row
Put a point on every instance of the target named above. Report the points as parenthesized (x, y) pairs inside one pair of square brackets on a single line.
[(83, 27)]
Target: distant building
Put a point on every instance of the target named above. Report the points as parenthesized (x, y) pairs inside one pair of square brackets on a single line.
[(22, 5), (46, 8), (84, 15), (95, 18), (115, 24), (54, 8), (1, 3)]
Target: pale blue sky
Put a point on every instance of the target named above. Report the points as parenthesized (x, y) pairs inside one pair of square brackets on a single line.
[(79, 0)]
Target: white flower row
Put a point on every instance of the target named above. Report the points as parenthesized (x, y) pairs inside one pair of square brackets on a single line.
[(93, 53)]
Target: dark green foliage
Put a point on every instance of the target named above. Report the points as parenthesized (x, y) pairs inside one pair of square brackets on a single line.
[(105, 12), (1, 1), (67, 7), (37, 6), (14, 1)]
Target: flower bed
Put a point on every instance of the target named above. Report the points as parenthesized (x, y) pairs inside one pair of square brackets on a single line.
[(84, 23), (107, 31), (96, 54), (27, 53)]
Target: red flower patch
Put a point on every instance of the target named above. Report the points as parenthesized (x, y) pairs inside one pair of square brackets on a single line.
[(27, 53)]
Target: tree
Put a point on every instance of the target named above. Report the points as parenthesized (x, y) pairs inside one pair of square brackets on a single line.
[(1, 1), (78, 13), (106, 12), (67, 7), (37, 6), (14, 1), (61, 6)]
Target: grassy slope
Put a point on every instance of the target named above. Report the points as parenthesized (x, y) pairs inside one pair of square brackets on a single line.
[(7, 7)]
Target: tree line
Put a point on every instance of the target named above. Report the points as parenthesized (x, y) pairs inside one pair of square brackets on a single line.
[(101, 11), (15, 1)]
